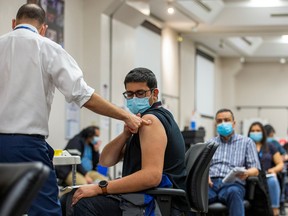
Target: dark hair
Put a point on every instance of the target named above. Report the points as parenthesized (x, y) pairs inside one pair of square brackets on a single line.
[(141, 75), (264, 136), (224, 110), (31, 11), (269, 129), (89, 132)]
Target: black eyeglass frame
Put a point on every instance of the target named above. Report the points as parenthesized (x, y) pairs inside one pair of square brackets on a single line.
[(138, 93)]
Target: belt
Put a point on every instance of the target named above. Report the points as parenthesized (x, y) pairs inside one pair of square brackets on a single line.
[(17, 134), (216, 177)]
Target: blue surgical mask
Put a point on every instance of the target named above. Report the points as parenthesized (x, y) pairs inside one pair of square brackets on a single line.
[(270, 139), (256, 136), (138, 105), (95, 140), (225, 128)]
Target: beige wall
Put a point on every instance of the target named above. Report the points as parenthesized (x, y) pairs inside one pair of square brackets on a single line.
[(264, 84)]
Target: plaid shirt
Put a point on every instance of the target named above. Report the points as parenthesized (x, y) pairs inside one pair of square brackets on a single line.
[(239, 151)]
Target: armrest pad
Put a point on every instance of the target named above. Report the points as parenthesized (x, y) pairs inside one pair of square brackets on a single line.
[(166, 191), (251, 183)]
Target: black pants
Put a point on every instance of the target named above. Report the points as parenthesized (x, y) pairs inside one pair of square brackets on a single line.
[(97, 206)]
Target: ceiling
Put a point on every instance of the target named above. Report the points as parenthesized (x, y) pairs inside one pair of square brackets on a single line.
[(251, 29)]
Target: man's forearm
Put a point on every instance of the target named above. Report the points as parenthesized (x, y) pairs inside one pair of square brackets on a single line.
[(101, 106), (253, 171)]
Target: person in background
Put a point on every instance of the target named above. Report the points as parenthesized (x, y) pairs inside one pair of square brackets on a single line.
[(154, 157), (271, 162), (87, 142), (31, 66), (270, 132), (234, 151)]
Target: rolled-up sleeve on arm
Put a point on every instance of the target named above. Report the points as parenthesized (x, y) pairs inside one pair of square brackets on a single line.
[(68, 78)]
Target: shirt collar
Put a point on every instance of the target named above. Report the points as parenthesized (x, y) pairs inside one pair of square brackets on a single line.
[(28, 27), (156, 104), (230, 138)]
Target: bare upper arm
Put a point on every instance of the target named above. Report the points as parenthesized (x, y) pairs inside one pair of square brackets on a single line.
[(153, 141), (277, 158)]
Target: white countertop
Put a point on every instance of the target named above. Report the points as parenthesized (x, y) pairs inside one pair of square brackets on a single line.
[(66, 160)]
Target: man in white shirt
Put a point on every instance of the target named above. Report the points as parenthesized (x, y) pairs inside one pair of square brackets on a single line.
[(31, 66)]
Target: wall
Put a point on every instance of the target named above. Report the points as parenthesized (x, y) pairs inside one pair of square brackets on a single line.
[(73, 43), (187, 87), (8, 10), (83, 22), (170, 71), (264, 84)]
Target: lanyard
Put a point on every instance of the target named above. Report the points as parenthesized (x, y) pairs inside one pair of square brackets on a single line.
[(25, 27)]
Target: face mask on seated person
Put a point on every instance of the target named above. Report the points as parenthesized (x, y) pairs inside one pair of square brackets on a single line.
[(270, 139), (138, 105), (225, 128), (95, 140), (256, 136)]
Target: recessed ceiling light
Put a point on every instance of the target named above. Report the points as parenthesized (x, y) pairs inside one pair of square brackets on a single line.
[(285, 38), (180, 38), (282, 60), (170, 10), (266, 3)]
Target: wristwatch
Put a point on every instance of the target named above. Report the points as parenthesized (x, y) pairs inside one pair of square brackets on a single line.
[(103, 185)]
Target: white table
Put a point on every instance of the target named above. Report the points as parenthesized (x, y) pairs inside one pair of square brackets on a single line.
[(68, 160)]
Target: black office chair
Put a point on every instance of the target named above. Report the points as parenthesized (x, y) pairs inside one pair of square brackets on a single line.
[(20, 183), (197, 161)]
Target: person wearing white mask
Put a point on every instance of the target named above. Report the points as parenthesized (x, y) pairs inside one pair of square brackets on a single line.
[(271, 162), (87, 143), (234, 150)]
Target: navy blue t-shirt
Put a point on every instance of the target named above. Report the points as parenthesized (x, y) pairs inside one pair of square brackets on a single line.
[(266, 156)]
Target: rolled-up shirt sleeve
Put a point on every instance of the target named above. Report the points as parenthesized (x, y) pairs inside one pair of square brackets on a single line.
[(68, 77)]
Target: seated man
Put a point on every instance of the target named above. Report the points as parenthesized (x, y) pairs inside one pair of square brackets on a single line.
[(87, 143), (152, 155), (234, 151)]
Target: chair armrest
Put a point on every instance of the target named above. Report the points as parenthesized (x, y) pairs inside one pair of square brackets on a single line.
[(166, 191), (251, 183)]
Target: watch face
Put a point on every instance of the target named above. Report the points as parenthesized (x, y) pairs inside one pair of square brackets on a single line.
[(103, 183)]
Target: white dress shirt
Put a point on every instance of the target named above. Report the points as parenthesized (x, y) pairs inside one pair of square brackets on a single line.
[(31, 66)]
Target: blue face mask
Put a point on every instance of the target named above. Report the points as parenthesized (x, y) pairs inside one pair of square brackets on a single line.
[(225, 128), (95, 140), (270, 139), (138, 105), (256, 136)]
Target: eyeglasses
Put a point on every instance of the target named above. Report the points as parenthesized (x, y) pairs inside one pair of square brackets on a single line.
[(138, 94)]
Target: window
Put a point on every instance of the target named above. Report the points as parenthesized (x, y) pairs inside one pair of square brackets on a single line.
[(204, 84)]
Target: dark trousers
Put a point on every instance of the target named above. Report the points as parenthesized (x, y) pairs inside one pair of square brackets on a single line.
[(22, 148), (231, 194), (99, 206)]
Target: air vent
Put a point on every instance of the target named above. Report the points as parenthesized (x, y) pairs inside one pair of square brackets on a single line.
[(248, 42), (202, 11), (279, 15), (203, 5)]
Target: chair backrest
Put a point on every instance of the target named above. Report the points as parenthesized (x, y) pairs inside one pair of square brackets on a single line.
[(20, 183), (197, 160)]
